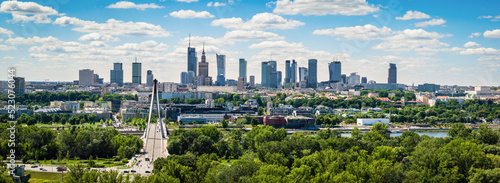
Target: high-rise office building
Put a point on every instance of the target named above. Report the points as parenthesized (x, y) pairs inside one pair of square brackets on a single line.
[(243, 69), (312, 78), (19, 85), (280, 79), (288, 69), (344, 78), (334, 69), (149, 78), (252, 81), (364, 80), (354, 79), (269, 74), (190, 77), (192, 59), (203, 67), (241, 84), (393, 74), (302, 74), (97, 79), (221, 80), (184, 78), (293, 72), (116, 75), (136, 72), (86, 77), (221, 65)]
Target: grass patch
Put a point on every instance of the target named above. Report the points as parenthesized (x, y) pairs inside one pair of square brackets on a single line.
[(39, 177), (101, 162), (122, 168)]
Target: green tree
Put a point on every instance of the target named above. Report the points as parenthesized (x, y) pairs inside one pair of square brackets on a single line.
[(254, 122)]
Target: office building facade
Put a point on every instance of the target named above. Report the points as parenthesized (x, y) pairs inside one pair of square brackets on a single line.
[(243, 69), (116, 75), (393, 71), (312, 78), (335, 71), (136, 72), (86, 77), (149, 78)]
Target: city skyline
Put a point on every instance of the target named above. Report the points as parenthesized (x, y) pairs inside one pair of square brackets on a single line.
[(458, 46)]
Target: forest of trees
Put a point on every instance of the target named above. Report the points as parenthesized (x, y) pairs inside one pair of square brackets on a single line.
[(266, 154), (35, 143)]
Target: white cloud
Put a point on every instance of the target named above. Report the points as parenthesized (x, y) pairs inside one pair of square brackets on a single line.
[(216, 4), (417, 40), (32, 40), (5, 47), (6, 32), (131, 5), (8, 58), (144, 46), (366, 32), (259, 21), (324, 7), (191, 14), (479, 51), (413, 15), (471, 44), (26, 8), (115, 27), (27, 11), (187, 1), (432, 22), (492, 18), (39, 55), (492, 33), (475, 34), (97, 37), (251, 35)]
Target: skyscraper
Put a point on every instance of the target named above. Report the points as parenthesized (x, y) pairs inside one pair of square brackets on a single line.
[(269, 74), (334, 69), (354, 79), (344, 78), (312, 78), (243, 69), (252, 81), (221, 80), (184, 78), (86, 77), (221, 64), (364, 80), (203, 67), (393, 71), (19, 85), (116, 75), (293, 72), (287, 71), (280, 79), (302, 74), (136, 72), (190, 77), (192, 59), (149, 78)]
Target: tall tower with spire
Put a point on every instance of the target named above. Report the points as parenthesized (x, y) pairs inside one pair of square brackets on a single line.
[(192, 60), (203, 66)]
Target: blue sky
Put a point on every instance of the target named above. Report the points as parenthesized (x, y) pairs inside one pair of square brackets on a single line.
[(443, 42)]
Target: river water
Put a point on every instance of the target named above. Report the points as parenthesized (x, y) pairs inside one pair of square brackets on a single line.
[(430, 134)]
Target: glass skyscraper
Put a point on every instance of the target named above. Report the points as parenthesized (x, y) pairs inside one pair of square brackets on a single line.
[(335, 72), (393, 71), (243, 69), (312, 78), (116, 75), (149, 78), (192, 60), (136, 72), (269, 74)]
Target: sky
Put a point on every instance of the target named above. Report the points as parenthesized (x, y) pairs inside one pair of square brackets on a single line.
[(445, 42)]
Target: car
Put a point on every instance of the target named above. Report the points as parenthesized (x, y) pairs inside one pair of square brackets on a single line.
[(147, 171), (126, 171), (132, 171), (86, 169), (34, 166), (43, 169), (61, 169)]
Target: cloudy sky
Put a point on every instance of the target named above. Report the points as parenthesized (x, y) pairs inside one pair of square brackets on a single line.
[(444, 42)]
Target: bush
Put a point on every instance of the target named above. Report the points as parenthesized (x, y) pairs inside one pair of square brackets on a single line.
[(124, 160)]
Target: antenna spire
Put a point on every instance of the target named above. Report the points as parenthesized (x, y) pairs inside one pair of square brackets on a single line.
[(135, 58)]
